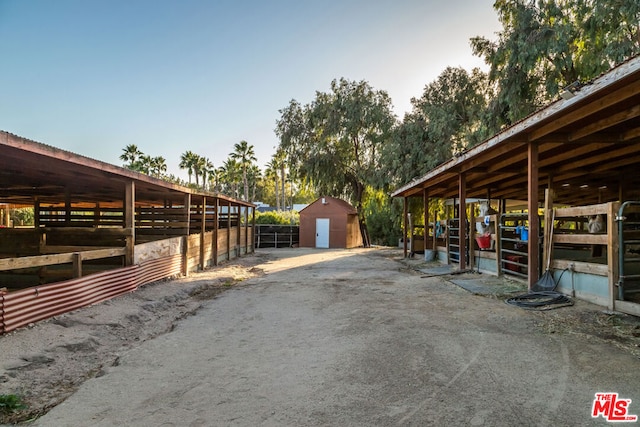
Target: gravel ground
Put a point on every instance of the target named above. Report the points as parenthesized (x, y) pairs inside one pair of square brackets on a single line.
[(307, 337)]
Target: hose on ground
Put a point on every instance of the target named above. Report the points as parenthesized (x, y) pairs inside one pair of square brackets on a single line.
[(542, 300)]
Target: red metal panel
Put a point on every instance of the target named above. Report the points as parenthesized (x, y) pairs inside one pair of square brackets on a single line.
[(157, 269), (37, 303), (41, 302)]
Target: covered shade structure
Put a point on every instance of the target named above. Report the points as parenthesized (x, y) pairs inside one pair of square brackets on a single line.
[(100, 230), (585, 147)]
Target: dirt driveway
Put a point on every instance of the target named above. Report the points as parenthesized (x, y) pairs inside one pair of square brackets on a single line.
[(324, 337)]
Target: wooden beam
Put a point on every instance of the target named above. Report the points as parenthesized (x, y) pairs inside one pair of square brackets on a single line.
[(130, 221), (425, 205), (605, 123), (593, 107), (601, 208), (216, 226), (228, 230), (187, 219), (630, 134), (534, 224), (405, 224), (581, 239), (203, 230)]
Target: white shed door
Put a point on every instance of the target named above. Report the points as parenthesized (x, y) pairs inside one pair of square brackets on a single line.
[(322, 233)]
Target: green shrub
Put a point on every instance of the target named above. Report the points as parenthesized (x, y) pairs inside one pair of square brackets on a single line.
[(10, 403), (281, 218), (383, 218)]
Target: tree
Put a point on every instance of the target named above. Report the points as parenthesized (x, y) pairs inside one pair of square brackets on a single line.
[(546, 45), (244, 154), (207, 169), (279, 163), (254, 176), (188, 161), (143, 164), (452, 107), (271, 174), (130, 155), (214, 179), (230, 175), (158, 166), (335, 141)]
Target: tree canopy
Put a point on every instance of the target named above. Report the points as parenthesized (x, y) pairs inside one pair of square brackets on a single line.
[(545, 45), (334, 142)]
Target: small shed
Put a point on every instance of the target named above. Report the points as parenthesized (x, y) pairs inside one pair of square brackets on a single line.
[(329, 223)]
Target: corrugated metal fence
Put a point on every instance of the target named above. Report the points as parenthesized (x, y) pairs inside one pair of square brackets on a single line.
[(30, 305)]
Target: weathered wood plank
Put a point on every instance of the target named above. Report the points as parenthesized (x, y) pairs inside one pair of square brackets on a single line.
[(589, 210), (581, 239)]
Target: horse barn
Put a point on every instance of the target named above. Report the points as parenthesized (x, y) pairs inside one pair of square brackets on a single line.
[(101, 231), (560, 196)]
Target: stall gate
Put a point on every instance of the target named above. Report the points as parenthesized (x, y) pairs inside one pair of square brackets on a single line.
[(628, 220), (453, 242)]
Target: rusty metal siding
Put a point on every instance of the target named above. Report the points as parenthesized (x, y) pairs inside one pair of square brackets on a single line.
[(37, 303)]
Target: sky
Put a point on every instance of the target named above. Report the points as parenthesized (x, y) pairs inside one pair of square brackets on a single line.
[(93, 76)]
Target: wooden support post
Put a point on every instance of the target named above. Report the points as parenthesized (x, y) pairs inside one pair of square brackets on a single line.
[(216, 226), (405, 225), (534, 220), (425, 204), (238, 234), (548, 223), (187, 219), (228, 230), (77, 265), (472, 234), (253, 230), (435, 238), (36, 214), (67, 208), (501, 206), (96, 215), (130, 221), (462, 210), (203, 229), (246, 229)]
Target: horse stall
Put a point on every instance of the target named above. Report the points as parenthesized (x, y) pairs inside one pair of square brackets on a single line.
[(573, 165), (95, 231)]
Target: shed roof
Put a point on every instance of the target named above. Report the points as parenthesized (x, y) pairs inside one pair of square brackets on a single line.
[(335, 203), (30, 170), (588, 148)]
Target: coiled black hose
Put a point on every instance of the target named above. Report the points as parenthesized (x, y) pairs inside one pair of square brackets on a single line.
[(542, 300)]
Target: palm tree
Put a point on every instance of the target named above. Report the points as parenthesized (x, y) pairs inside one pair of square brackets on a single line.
[(200, 169), (130, 154), (253, 176), (231, 173), (158, 166), (214, 179), (245, 155), (271, 173), (188, 161), (207, 171)]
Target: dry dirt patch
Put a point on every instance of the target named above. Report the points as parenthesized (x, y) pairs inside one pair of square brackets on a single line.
[(47, 362), (585, 319)]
